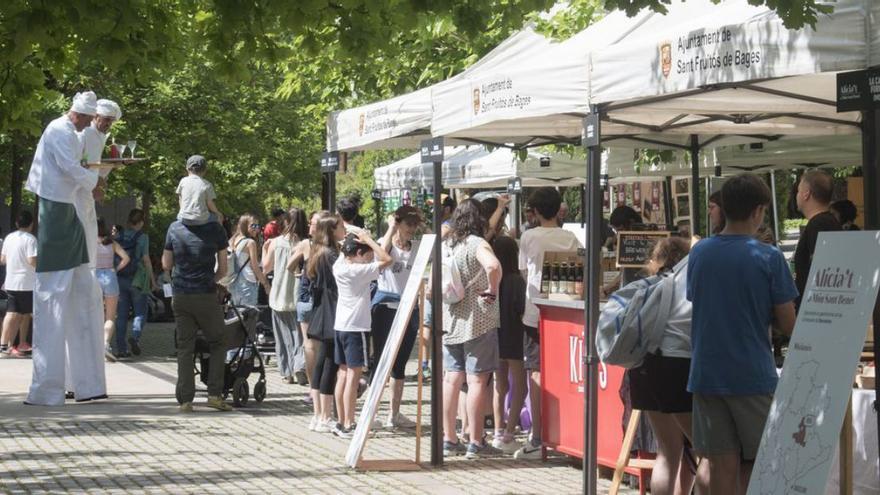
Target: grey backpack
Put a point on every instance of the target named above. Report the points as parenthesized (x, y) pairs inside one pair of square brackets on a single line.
[(631, 323)]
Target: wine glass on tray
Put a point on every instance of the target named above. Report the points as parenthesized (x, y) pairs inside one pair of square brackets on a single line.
[(132, 144)]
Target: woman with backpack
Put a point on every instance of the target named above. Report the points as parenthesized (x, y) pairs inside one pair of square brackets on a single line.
[(105, 272), (244, 289), (470, 326), (135, 282), (325, 251), (282, 296), (659, 385)]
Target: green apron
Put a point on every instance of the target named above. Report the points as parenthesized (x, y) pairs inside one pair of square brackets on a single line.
[(61, 241)]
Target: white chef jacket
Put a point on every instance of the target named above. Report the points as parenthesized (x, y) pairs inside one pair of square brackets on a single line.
[(56, 172)]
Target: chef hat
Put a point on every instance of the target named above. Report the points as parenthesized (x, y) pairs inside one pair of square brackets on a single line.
[(85, 103), (109, 108)]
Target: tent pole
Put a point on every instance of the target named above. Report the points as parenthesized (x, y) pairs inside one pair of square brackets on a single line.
[(775, 207), (695, 185), (667, 203), (593, 277), (437, 326), (870, 178)]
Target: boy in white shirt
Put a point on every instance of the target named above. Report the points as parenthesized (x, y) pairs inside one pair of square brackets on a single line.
[(547, 236), (354, 271), (19, 254), (197, 195)]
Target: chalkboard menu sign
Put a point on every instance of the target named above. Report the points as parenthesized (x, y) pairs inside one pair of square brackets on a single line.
[(634, 248), (858, 90)]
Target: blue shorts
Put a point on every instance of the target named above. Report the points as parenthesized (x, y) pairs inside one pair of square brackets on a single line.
[(351, 349), (304, 311), (108, 281), (473, 357)]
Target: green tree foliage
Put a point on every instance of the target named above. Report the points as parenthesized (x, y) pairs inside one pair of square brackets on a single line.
[(795, 13)]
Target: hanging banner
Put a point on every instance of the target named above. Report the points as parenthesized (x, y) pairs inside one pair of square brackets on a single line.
[(803, 428)]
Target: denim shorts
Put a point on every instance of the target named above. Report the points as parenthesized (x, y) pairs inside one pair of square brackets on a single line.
[(108, 281), (304, 311), (479, 355)]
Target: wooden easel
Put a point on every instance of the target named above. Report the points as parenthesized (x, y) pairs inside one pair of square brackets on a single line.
[(846, 451), (623, 459), (386, 465)]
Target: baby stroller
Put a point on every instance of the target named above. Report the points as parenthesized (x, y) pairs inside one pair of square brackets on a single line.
[(242, 357)]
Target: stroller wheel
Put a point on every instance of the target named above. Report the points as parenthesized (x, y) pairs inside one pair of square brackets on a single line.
[(260, 391), (240, 392)]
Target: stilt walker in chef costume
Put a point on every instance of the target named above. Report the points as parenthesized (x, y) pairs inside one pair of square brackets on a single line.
[(93, 139), (64, 297)]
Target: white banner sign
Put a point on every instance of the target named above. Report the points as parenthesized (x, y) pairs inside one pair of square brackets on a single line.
[(803, 428)]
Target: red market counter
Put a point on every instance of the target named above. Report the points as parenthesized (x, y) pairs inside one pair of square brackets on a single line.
[(561, 329)]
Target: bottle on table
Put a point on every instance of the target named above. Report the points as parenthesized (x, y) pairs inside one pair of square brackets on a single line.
[(569, 280), (579, 279), (545, 278), (554, 278)]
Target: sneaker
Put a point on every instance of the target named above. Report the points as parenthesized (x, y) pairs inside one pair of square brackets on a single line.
[(325, 426), (338, 430), (398, 421), (25, 348), (135, 346), (483, 451), (505, 443), (108, 355), (313, 423), (15, 353), (217, 402), (287, 379), (451, 449), (348, 432), (528, 451), (186, 407), (301, 378)]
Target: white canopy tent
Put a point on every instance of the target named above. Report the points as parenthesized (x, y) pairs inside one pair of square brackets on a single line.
[(478, 167), (538, 100), (403, 121)]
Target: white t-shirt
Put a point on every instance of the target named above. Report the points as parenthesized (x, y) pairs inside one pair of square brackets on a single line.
[(194, 193), (353, 306), (17, 248), (532, 246), (393, 278)]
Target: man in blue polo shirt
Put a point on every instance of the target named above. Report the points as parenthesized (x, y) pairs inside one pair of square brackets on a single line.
[(738, 285)]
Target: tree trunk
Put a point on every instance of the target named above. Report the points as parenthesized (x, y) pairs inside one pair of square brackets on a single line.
[(16, 181), (146, 204)]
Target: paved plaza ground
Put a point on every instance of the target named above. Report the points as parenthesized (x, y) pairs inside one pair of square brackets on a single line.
[(138, 442)]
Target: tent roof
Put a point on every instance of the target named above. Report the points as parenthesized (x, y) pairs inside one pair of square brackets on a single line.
[(733, 69), (403, 121), (478, 167)]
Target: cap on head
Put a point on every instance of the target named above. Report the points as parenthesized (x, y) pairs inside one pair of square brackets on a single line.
[(196, 163), (109, 108), (85, 103)]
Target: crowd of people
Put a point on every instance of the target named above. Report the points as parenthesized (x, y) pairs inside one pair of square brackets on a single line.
[(333, 292)]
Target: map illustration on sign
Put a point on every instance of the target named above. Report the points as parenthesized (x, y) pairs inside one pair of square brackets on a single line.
[(803, 428)]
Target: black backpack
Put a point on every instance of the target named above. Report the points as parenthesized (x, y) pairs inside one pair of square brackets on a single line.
[(129, 244)]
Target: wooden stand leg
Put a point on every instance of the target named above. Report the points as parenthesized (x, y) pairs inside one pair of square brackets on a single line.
[(846, 451), (623, 457)]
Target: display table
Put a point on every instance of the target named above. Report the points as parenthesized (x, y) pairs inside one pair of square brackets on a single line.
[(561, 329), (865, 454)]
